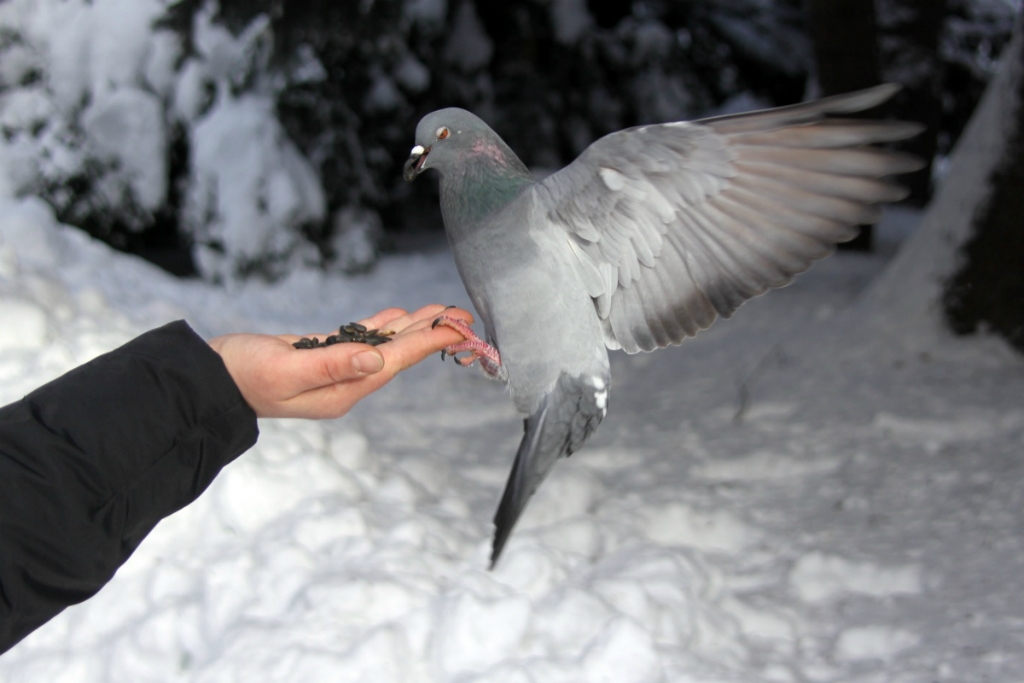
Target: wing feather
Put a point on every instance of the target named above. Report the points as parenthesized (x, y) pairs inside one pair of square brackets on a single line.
[(686, 312), (855, 161), (849, 187), (832, 134), (836, 209), (726, 277), (751, 209), (803, 113), (676, 224)]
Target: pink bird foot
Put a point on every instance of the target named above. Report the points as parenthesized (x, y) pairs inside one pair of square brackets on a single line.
[(478, 349)]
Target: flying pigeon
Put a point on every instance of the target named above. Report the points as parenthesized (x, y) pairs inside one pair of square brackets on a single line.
[(641, 242)]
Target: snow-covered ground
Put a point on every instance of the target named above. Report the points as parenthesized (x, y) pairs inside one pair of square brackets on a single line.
[(794, 495)]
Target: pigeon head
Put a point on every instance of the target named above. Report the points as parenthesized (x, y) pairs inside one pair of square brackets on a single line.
[(454, 138)]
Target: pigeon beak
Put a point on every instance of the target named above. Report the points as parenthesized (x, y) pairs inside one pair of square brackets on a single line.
[(414, 166)]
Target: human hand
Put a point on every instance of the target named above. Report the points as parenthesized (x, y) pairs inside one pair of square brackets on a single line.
[(278, 380)]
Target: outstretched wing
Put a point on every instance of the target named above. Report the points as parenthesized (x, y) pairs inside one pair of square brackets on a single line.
[(678, 223)]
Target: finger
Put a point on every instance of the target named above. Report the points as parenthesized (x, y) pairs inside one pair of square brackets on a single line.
[(416, 343), (433, 311), (399, 324), (426, 316), (396, 320), (383, 319), (309, 369), (429, 314), (392, 320)]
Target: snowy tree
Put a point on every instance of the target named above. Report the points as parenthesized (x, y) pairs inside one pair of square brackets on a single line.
[(81, 112), (964, 266), (987, 291), (258, 137), (259, 191)]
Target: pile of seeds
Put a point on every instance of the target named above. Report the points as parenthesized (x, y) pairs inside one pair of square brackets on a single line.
[(353, 332)]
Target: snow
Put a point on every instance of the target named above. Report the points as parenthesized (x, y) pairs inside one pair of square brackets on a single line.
[(25, 325), (468, 47), (855, 520), (357, 234), (412, 74), (126, 127), (570, 19), (383, 96), (817, 577), (426, 11), (251, 188), (868, 642)]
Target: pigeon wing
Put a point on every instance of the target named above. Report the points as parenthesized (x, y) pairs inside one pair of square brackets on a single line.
[(678, 223)]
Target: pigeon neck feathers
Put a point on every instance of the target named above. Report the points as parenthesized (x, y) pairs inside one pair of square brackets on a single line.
[(487, 176)]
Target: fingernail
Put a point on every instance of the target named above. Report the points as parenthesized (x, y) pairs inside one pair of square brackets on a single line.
[(368, 362)]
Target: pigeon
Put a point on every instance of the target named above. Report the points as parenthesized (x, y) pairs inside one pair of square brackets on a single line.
[(645, 239)]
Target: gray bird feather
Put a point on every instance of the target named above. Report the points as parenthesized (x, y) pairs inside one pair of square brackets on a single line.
[(642, 241)]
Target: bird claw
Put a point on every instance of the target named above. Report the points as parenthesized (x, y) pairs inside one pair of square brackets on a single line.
[(461, 362), (478, 349)]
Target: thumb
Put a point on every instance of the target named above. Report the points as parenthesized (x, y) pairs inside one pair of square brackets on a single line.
[(312, 368), (368, 362)]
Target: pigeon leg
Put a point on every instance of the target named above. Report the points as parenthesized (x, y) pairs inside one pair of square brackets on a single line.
[(480, 350)]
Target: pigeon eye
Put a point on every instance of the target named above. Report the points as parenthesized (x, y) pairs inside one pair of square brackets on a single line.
[(442, 133)]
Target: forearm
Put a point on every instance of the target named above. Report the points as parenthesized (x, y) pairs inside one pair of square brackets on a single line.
[(90, 462)]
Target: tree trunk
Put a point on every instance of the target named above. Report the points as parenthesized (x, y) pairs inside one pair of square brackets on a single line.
[(845, 36), (910, 35)]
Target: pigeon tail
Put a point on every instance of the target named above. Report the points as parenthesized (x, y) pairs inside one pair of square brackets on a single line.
[(565, 419)]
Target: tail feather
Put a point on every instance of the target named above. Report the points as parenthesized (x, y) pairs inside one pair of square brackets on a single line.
[(520, 485), (566, 417)]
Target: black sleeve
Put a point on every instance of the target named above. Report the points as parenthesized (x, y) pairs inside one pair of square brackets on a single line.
[(90, 462)]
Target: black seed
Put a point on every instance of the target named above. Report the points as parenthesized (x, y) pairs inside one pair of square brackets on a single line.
[(353, 332)]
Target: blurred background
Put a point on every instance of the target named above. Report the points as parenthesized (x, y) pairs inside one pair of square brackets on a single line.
[(247, 138)]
